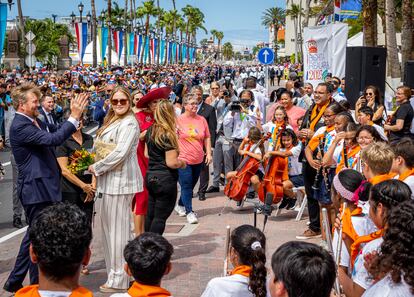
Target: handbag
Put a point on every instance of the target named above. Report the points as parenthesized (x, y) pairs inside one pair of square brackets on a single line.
[(103, 149)]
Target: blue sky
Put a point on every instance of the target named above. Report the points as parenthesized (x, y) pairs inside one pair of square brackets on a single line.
[(240, 20)]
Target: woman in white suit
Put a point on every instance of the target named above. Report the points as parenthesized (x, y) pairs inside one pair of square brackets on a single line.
[(118, 179)]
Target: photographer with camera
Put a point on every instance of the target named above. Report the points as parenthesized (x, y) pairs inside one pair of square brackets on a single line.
[(223, 154), (242, 116)]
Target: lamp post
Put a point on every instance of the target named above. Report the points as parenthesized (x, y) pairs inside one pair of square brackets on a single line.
[(73, 17), (80, 7), (88, 19), (54, 16)]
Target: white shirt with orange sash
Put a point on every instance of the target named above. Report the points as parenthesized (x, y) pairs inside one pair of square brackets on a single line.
[(234, 285), (408, 178)]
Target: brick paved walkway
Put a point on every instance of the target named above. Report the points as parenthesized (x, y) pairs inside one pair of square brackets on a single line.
[(199, 249)]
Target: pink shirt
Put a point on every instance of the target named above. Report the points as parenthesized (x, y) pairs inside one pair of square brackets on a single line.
[(191, 134), (294, 113)]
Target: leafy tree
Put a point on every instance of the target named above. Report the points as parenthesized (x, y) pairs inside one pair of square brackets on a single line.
[(228, 51), (47, 39), (274, 17)]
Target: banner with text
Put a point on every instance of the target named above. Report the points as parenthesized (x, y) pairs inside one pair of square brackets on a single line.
[(324, 51)]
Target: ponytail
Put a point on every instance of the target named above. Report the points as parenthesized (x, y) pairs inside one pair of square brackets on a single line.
[(250, 245)]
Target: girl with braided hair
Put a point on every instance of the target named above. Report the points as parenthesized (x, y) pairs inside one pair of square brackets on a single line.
[(393, 265), (384, 198), (248, 257)]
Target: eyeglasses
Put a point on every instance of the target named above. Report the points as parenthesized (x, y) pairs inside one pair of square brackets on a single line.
[(214, 88), (117, 102), (361, 138), (369, 94)]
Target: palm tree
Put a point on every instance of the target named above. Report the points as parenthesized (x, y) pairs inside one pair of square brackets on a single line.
[(189, 12), (274, 17), (369, 13), (197, 22), (93, 35), (407, 32), (147, 9), (307, 13), (391, 40), (228, 51), (219, 36), (295, 12)]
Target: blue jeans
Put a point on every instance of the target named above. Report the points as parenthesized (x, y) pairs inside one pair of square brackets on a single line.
[(187, 179)]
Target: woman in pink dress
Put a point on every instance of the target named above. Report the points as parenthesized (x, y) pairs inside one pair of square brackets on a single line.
[(145, 118)]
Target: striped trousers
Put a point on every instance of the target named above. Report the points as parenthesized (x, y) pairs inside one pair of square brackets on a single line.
[(116, 229)]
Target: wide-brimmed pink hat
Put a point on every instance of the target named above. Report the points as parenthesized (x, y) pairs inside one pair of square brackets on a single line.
[(160, 93)]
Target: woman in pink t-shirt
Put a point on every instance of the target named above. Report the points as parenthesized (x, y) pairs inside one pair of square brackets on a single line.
[(194, 142)]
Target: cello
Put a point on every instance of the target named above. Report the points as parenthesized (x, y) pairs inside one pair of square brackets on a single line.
[(275, 167), (237, 186)]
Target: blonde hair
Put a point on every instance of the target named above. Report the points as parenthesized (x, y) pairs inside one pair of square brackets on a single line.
[(111, 117), (19, 94), (379, 157), (163, 131)]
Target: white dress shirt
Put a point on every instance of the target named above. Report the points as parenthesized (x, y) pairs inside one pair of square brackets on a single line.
[(241, 122)]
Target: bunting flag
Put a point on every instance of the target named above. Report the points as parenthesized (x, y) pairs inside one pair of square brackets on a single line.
[(118, 42), (169, 50), (81, 30), (156, 55), (3, 25), (162, 51), (146, 50), (131, 44), (184, 59), (103, 40), (337, 10), (139, 49), (173, 47), (176, 53)]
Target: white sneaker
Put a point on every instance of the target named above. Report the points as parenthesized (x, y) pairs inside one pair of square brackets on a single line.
[(180, 210), (192, 218)]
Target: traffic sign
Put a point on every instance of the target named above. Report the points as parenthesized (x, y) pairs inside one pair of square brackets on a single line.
[(266, 56), (30, 36), (30, 48), (30, 60)]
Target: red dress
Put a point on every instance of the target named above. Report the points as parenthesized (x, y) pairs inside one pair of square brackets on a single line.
[(140, 202)]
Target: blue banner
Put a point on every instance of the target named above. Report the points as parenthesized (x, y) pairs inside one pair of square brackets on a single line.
[(131, 44), (350, 9), (156, 57), (3, 23), (162, 51), (174, 53), (184, 59), (139, 51), (169, 55), (103, 32), (146, 50)]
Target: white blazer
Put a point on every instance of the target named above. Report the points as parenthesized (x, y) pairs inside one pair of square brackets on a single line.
[(119, 173)]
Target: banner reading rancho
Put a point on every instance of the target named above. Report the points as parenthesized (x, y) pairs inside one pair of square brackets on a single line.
[(324, 51)]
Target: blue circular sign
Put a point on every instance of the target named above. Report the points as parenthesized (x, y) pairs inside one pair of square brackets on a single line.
[(266, 56)]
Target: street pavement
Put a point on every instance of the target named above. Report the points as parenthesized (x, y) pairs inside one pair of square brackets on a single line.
[(198, 249)]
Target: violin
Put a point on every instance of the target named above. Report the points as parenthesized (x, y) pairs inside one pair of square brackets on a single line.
[(275, 167), (238, 185)]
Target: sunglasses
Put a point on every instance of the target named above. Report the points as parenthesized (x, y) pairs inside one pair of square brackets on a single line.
[(369, 94), (117, 102)]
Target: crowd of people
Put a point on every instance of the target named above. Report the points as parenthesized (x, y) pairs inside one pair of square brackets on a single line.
[(163, 126)]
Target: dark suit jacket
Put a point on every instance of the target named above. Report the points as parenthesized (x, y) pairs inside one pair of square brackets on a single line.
[(44, 118), (33, 150), (209, 113)]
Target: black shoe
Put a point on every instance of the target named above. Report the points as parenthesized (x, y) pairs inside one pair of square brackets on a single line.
[(201, 196), (12, 288), (250, 195), (291, 204), (285, 202), (17, 223), (213, 189), (222, 181)]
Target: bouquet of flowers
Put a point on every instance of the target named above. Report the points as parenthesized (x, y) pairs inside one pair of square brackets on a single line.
[(80, 161)]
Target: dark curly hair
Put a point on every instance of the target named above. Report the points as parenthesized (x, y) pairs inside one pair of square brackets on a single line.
[(396, 255), (148, 256), (60, 238), (241, 240)]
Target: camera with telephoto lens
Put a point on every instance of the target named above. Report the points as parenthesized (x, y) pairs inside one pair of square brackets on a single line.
[(235, 106)]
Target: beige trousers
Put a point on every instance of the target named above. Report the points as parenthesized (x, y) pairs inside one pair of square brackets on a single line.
[(116, 229)]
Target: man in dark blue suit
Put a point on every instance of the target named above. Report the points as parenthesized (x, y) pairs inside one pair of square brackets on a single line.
[(38, 184), (46, 110)]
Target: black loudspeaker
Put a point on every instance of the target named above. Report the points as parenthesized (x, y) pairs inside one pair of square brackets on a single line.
[(409, 74), (364, 66)]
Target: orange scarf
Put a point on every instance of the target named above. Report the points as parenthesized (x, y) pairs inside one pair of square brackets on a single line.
[(314, 142), (33, 291), (350, 153), (316, 116), (355, 247), (275, 132), (380, 178), (347, 226), (406, 174), (242, 270), (140, 290)]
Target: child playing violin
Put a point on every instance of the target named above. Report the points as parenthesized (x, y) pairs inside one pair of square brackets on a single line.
[(290, 149), (245, 150)]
